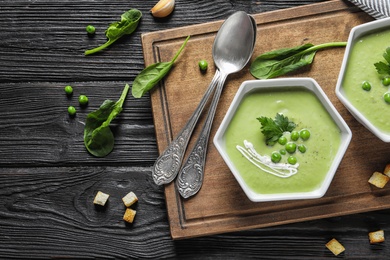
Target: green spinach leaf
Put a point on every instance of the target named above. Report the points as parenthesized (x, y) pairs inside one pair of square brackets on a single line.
[(98, 138), (152, 74), (282, 61), (127, 25)]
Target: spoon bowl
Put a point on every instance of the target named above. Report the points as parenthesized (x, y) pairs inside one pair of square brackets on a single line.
[(233, 46)]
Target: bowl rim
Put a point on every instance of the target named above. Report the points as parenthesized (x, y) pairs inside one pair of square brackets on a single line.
[(310, 84), (356, 32)]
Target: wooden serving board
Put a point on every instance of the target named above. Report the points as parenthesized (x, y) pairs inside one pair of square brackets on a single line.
[(221, 205)]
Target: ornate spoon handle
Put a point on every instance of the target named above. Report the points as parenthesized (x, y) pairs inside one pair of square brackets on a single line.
[(168, 163), (190, 178)]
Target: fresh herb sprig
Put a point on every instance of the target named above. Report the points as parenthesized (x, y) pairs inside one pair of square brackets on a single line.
[(272, 129), (152, 74), (282, 61), (382, 67), (127, 25), (98, 138)]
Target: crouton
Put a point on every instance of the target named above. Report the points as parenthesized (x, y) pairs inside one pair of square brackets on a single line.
[(129, 199), (129, 215), (335, 247), (376, 236), (101, 198), (378, 179), (387, 170)]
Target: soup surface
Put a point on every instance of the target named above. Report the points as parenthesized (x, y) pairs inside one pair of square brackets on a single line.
[(365, 52), (306, 111)]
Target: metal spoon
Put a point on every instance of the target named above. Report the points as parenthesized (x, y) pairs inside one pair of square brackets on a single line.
[(233, 48), (168, 164)]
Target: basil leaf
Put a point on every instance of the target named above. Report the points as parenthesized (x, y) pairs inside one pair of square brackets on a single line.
[(98, 138), (127, 25), (151, 75)]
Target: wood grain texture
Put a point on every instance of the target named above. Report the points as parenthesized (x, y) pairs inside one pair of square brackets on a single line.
[(48, 180), (213, 210)]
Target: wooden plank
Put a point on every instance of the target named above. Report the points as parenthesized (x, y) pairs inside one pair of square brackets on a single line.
[(37, 129), (50, 212), (221, 206)]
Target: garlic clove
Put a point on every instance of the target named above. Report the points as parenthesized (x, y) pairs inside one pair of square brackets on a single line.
[(163, 8)]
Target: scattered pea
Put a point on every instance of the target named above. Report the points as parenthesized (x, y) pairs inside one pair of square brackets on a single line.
[(294, 135), (366, 86), (282, 140), (83, 100), (90, 29), (291, 147), (203, 65), (276, 157), (68, 90), (302, 148), (386, 81), (282, 151), (71, 110), (386, 97), (292, 160), (304, 134)]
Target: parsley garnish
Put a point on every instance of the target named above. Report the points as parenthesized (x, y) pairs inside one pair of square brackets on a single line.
[(382, 67), (274, 128)]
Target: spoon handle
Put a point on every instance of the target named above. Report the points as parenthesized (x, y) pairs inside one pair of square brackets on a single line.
[(190, 178), (168, 163)]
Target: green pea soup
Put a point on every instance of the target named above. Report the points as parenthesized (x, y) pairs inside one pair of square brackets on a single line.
[(367, 50), (303, 108)]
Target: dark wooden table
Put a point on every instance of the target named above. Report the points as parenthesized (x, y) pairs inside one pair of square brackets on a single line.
[(48, 180)]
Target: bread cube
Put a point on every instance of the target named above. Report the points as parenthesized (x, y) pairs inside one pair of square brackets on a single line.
[(387, 170), (335, 247), (101, 198), (129, 215), (129, 199), (378, 179), (376, 236)]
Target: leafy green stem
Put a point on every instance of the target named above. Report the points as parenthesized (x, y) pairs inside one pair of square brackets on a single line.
[(324, 46), (99, 48), (181, 48), (123, 95)]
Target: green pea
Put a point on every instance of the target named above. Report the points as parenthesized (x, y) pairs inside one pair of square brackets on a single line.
[(386, 81), (302, 148), (292, 160), (68, 90), (294, 135), (203, 65), (282, 151), (366, 86), (386, 97), (90, 29), (83, 100), (304, 134), (290, 147), (282, 140), (71, 110), (276, 157)]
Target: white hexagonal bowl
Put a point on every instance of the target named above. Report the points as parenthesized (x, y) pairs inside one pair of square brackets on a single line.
[(252, 85), (355, 33)]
